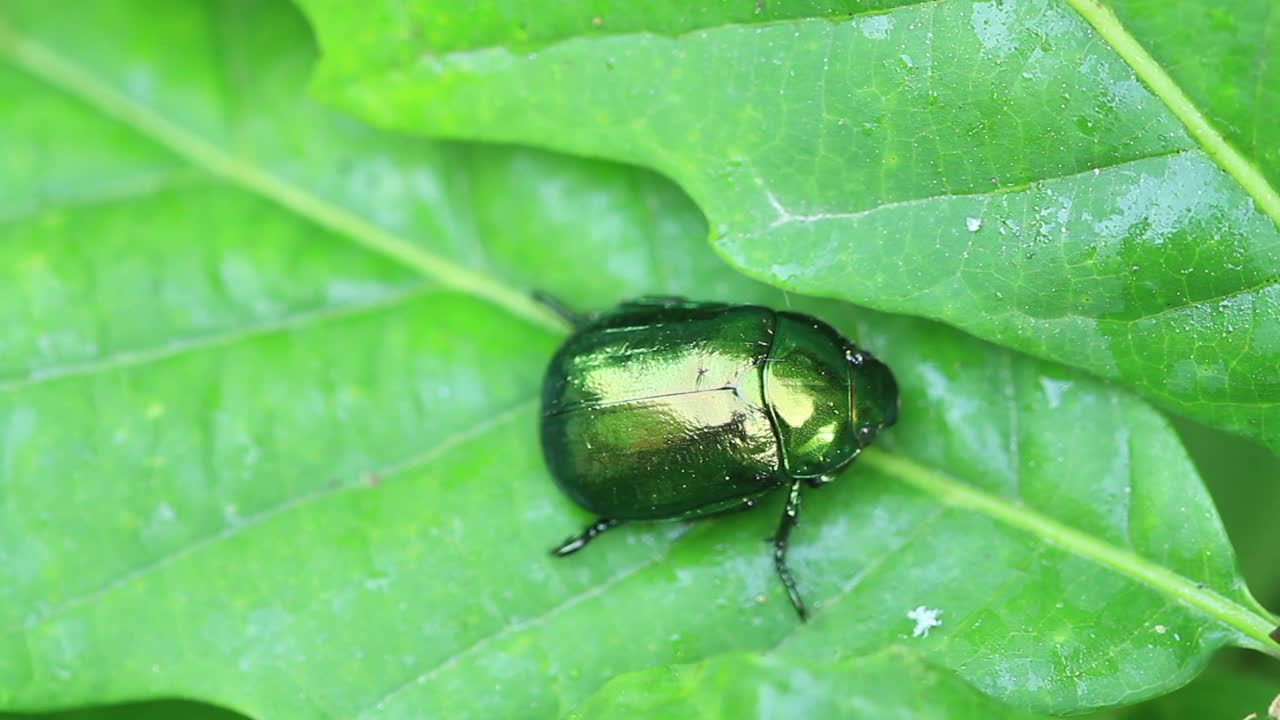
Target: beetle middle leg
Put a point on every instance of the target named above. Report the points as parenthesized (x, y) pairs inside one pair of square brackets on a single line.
[(577, 542), (790, 516), (819, 481)]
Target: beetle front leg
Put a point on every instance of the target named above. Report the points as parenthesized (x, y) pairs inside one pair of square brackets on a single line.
[(576, 543), (790, 516)]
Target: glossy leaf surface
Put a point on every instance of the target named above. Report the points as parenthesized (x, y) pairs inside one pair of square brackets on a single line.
[(1025, 169), (268, 426), (893, 685)]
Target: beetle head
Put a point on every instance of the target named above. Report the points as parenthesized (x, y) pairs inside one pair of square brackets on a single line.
[(875, 395)]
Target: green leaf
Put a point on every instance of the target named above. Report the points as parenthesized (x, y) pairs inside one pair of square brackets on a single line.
[(160, 710), (268, 425), (1021, 169), (892, 684), (1238, 90), (1218, 693)]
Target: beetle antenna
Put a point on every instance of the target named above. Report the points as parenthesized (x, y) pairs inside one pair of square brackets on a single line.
[(558, 308)]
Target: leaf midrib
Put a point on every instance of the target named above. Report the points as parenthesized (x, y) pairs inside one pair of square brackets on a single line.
[(1109, 29), (69, 77), (1166, 582), (1163, 86), (948, 492)]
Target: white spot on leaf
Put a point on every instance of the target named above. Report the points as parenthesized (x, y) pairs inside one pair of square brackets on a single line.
[(1054, 390), (925, 618), (877, 27), (993, 25)]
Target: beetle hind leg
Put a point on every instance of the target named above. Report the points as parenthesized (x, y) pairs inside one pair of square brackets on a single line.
[(577, 542), (790, 516)]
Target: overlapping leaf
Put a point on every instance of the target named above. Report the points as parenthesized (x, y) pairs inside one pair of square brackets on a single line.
[(887, 686), (268, 426), (998, 165)]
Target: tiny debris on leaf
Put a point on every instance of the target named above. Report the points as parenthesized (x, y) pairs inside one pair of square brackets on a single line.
[(925, 619)]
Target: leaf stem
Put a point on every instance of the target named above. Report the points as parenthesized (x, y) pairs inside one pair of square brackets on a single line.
[(950, 491), (1105, 22), (47, 65)]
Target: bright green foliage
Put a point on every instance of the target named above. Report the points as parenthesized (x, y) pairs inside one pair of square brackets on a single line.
[(1224, 56), (159, 710), (1218, 693), (993, 164), (893, 685), (268, 426)]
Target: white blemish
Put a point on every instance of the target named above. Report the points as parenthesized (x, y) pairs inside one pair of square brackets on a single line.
[(1160, 629), (992, 24), (1054, 390), (974, 224), (351, 291), (139, 82), (937, 387), (265, 621), (786, 217), (1151, 211), (785, 272), (906, 60), (877, 27), (925, 618)]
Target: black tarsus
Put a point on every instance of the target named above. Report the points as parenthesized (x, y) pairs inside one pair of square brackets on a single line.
[(818, 481), (790, 516), (1275, 635), (577, 542)]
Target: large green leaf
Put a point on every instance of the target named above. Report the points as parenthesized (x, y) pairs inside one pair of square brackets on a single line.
[(1219, 692), (893, 685), (1022, 169), (158, 710), (268, 421), (1224, 58)]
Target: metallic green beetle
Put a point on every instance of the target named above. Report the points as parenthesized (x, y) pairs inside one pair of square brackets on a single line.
[(665, 408)]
